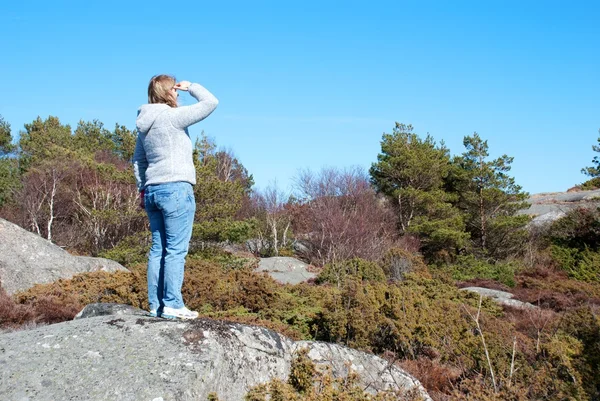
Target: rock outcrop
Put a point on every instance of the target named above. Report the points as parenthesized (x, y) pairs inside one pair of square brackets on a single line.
[(130, 356), (501, 297), (286, 270), (27, 259), (547, 207)]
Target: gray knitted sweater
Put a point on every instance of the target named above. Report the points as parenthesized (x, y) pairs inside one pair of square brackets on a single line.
[(163, 151)]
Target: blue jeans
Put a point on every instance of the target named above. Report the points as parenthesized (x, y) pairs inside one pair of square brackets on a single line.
[(170, 207)]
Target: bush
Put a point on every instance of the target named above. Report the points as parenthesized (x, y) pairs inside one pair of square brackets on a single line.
[(45, 310), (418, 319), (221, 230), (580, 265), (336, 273), (397, 262), (468, 267), (131, 250), (579, 229), (584, 325), (589, 185)]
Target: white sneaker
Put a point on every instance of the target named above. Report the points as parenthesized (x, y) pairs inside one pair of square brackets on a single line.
[(181, 313)]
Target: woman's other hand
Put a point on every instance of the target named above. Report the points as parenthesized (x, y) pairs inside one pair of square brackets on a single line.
[(183, 85)]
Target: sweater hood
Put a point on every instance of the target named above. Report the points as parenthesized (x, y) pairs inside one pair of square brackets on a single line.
[(147, 115)]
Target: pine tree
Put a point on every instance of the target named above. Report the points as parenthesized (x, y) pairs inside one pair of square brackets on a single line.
[(594, 171), (411, 172), (490, 199), (6, 145), (9, 173)]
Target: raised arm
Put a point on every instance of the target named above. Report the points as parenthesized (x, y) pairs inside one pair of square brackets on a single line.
[(185, 116)]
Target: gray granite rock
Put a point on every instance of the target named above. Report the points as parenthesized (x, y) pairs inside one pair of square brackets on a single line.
[(27, 259), (502, 297), (548, 207), (128, 357), (106, 309), (285, 269)]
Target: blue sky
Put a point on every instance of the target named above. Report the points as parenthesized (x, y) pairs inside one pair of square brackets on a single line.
[(313, 84)]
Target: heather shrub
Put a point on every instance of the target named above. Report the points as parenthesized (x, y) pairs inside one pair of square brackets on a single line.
[(438, 378), (12, 314), (43, 310), (556, 290), (87, 288)]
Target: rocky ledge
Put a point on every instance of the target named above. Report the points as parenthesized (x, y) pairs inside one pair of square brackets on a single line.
[(130, 356)]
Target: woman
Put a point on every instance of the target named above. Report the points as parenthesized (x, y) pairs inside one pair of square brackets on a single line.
[(164, 172)]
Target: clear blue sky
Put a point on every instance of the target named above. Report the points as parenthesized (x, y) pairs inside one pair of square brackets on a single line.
[(316, 83)]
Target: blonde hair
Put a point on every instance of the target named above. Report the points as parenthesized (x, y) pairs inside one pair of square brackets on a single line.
[(159, 90)]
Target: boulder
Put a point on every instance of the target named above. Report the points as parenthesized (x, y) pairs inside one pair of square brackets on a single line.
[(135, 357), (501, 297), (286, 270), (105, 309), (27, 259)]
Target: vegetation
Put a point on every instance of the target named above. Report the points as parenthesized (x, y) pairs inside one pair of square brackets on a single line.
[(392, 248)]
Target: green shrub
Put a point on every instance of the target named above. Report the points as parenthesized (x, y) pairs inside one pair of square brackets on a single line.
[(580, 265), (131, 250), (579, 229), (220, 230), (397, 262), (594, 183), (469, 267), (419, 317), (364, 270), (584, 325), (226, 260)]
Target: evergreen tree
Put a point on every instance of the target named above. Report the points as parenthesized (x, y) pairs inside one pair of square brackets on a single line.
[(124, 142), (6, 145), (490, 199), (43, 140), (411, 172), (9, 173), (594, 171)]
